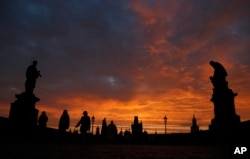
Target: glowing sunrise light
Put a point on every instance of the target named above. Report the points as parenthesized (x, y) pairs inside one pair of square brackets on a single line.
[(121, 59)]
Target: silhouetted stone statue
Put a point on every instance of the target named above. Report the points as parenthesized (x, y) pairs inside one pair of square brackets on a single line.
[(84, 122), (42, 121), (225, 118), (31, 75), (64, 121), (219, 70), (23, 113), (219, 78)]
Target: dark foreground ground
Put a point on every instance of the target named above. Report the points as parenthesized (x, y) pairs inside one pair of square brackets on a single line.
[(94, 151)]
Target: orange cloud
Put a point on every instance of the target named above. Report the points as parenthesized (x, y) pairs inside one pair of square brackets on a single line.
[(145, 58)]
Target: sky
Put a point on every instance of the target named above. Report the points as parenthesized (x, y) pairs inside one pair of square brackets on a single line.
[(126, 58)]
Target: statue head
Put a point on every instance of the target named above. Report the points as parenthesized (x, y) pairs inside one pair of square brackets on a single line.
[(35, 62), (212, 63), (219, 70)]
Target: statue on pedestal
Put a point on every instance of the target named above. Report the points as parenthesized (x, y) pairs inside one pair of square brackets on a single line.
[(23, 114), (225, 118)]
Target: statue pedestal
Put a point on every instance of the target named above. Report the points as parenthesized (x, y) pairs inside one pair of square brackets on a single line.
[(23, 114), (226, 119), (226, 125)]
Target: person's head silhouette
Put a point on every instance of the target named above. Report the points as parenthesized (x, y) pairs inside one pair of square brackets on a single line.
[(34, 62), (85, 113), (65, 112)]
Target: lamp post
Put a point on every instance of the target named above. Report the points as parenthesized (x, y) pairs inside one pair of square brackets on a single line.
[(165, 122), (93, 120)]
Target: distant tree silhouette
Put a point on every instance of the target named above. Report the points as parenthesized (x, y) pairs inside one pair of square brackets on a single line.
[(64, 121), (31, 75), (84, 122), (42, 120)]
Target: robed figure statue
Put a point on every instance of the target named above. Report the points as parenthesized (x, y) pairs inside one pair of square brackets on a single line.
[(31, 75), (225, 117), (23, 113)]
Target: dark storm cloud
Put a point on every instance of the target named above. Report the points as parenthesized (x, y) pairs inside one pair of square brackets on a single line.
[(80, 45)]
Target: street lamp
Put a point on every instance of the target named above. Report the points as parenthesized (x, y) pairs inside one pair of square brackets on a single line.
[(93, 120), (165, 122)]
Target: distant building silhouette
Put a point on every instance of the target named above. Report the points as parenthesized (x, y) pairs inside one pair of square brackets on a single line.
[(194, 127), (127, 133), (137, 134), (127, 136), (64, 121), (225, 117), (136, 127)]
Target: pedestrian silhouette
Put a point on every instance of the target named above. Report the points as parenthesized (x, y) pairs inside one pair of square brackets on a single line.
[(42, 121), (84, 122), (31, 75), (64, 121)]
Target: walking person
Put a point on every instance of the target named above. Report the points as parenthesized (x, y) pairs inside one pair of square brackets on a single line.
[(85, 126)]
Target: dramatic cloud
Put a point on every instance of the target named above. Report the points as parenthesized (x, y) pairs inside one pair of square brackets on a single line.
[(118, 59)]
